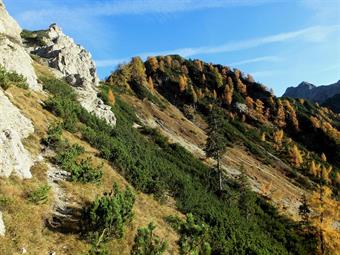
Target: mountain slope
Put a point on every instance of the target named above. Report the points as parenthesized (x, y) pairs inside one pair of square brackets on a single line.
[(314, 93), (252, 121), (333, 103), (145, 129)]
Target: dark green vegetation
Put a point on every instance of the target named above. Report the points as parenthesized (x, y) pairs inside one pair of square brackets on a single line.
[(11, 78), (193, 235), (146, 243), (152, 165), (105, 218), (40, 195), (81, 170), (333, 103), (34, 38)]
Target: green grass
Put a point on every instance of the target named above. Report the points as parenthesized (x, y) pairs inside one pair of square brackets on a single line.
[(40, 195), (11, 78)]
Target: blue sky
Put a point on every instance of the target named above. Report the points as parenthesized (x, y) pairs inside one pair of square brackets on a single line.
[(280, 42)]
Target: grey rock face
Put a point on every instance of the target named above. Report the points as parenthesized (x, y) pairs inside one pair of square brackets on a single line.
[(12, 53), (14, 127), (314, 93), (77, 67)]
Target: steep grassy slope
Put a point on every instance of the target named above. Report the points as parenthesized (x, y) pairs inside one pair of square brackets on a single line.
[(26, 222)]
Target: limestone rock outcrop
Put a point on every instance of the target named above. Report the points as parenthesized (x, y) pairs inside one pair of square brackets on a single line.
[(14, 127), (13, 55), (77, 67)]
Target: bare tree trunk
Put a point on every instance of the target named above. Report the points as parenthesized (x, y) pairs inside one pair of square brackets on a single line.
[(219, 172)]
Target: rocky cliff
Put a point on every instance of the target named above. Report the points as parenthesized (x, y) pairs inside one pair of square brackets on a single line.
[(12, 53), (314, 93), (75, 64)]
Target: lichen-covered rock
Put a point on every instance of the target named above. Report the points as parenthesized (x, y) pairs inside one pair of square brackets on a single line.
[(14, 158), (77, 67), (12, 53), (2, 225), (69, 58)]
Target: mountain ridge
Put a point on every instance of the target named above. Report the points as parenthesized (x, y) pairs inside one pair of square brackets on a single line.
[(312, 92)]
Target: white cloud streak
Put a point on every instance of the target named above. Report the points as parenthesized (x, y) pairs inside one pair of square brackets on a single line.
[(256, 60), (310, 34), (137, 7)]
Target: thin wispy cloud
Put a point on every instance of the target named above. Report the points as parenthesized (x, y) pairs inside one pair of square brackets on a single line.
[(261, 74), (135, 7), (256, 60), (311, 34), (324, 10)]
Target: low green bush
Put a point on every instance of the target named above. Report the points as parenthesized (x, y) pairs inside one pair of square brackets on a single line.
[(34, 37), (11, 78), (81, 171), (146, 243), (105, 218), (54, 133)]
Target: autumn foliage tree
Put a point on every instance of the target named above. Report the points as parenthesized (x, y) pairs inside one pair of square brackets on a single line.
[(292, 114), (325, 212), (228, 94), (111, 98), (241, 87), (315, 122), (296, 156), (259, 106), (199, 65), (182, 83), (278, 137), (152, 63), (280, 119), (249, 102)]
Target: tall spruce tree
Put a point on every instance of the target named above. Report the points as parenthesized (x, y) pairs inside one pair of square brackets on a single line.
[(216, 144), (304, 211)]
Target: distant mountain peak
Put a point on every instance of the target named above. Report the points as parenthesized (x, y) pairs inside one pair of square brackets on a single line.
[(306, 84), (314, 93)]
